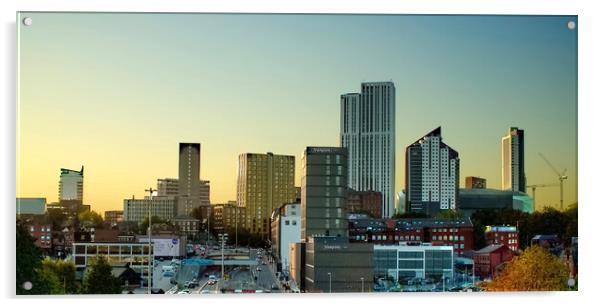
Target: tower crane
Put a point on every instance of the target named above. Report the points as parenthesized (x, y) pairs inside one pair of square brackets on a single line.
[(535, 186), (561, 178)]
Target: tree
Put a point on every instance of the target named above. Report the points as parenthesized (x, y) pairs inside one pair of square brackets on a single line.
[(57, 218), (449, 214), (535, 270), (156, 221), (29, 259), (409, 215), (99, 280), (63, 272), (90, 219)]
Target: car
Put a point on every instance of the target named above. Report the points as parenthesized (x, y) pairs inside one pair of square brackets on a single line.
[(193, 285), (258, 268), (205, 291), (275, 287), (169, 274), (264, 263), (206, 274), (211, 282), (185, 291), (212, 277)]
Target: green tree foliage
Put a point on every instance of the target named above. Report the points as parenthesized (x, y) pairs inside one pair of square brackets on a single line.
[(534, 270), (57, 218), (29, 263), (409, 215), (547, 221), (63, 272), (99, 280), (246, 238), (198, 213), (156, 221), (449, 214), (90, 219)]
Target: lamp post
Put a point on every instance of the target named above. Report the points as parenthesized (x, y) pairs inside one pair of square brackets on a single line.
[(150, 191), (362, 284), (329, 282)]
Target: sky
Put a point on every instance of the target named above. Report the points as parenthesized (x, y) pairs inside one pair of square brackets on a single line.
[(118, 92)]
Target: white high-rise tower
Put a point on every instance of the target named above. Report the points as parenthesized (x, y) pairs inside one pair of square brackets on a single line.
[(368, 132)]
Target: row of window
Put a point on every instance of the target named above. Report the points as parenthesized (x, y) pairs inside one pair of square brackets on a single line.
[(451, 238), (42, 229)]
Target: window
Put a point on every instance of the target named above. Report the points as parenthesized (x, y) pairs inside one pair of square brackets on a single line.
[(286, 223), (294, 223)]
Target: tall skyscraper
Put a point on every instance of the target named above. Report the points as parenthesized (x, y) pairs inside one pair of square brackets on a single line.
[(189, 194), (432, 175), (368, 132), (513, 160), (71, 185), (324, 192), (265, 182)]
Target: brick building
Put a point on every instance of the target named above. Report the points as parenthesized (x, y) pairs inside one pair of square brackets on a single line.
[(489, 258), (369, 202), (506, 235), (457, 233), (40, 229)]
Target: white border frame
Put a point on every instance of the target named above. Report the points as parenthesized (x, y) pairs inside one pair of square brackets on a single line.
[(588, 122)]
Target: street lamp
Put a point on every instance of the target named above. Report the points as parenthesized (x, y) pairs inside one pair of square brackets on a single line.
[(329, 282), (362, 284)]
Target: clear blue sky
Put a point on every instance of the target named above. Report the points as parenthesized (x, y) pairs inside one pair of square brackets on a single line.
[(117, 92)]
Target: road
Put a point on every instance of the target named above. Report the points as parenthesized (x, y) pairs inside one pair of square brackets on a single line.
[(266, 278)]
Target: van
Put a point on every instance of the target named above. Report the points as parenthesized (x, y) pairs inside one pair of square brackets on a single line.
[(168, 268)]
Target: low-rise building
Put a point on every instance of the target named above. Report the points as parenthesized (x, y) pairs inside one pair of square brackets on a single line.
[(187, 225), (31, 206), (404, 262), (457, 233), (114, 217), (507, 235), (488, 259), (136, 210), (225, 216), (135, 255), (332, 264), (40, 229), (296, 270), (285, 228)]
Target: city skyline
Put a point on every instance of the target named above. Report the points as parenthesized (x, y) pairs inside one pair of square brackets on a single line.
[(475, 75)]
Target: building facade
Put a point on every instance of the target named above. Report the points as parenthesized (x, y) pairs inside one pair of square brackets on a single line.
[(475, 183), (265, 182), (332, 264), (189, 174), (432, 175), (488, 259), (367, 130), (324, 192), (513, 161), (187, 225), (29, 205), (170, 187), (404, 262), (114, 217), (136, 210), (40, 228), (225, 216), (71, 185), (457, 233), (369, 202), (506, 235), (136, 255), (285, 230)]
